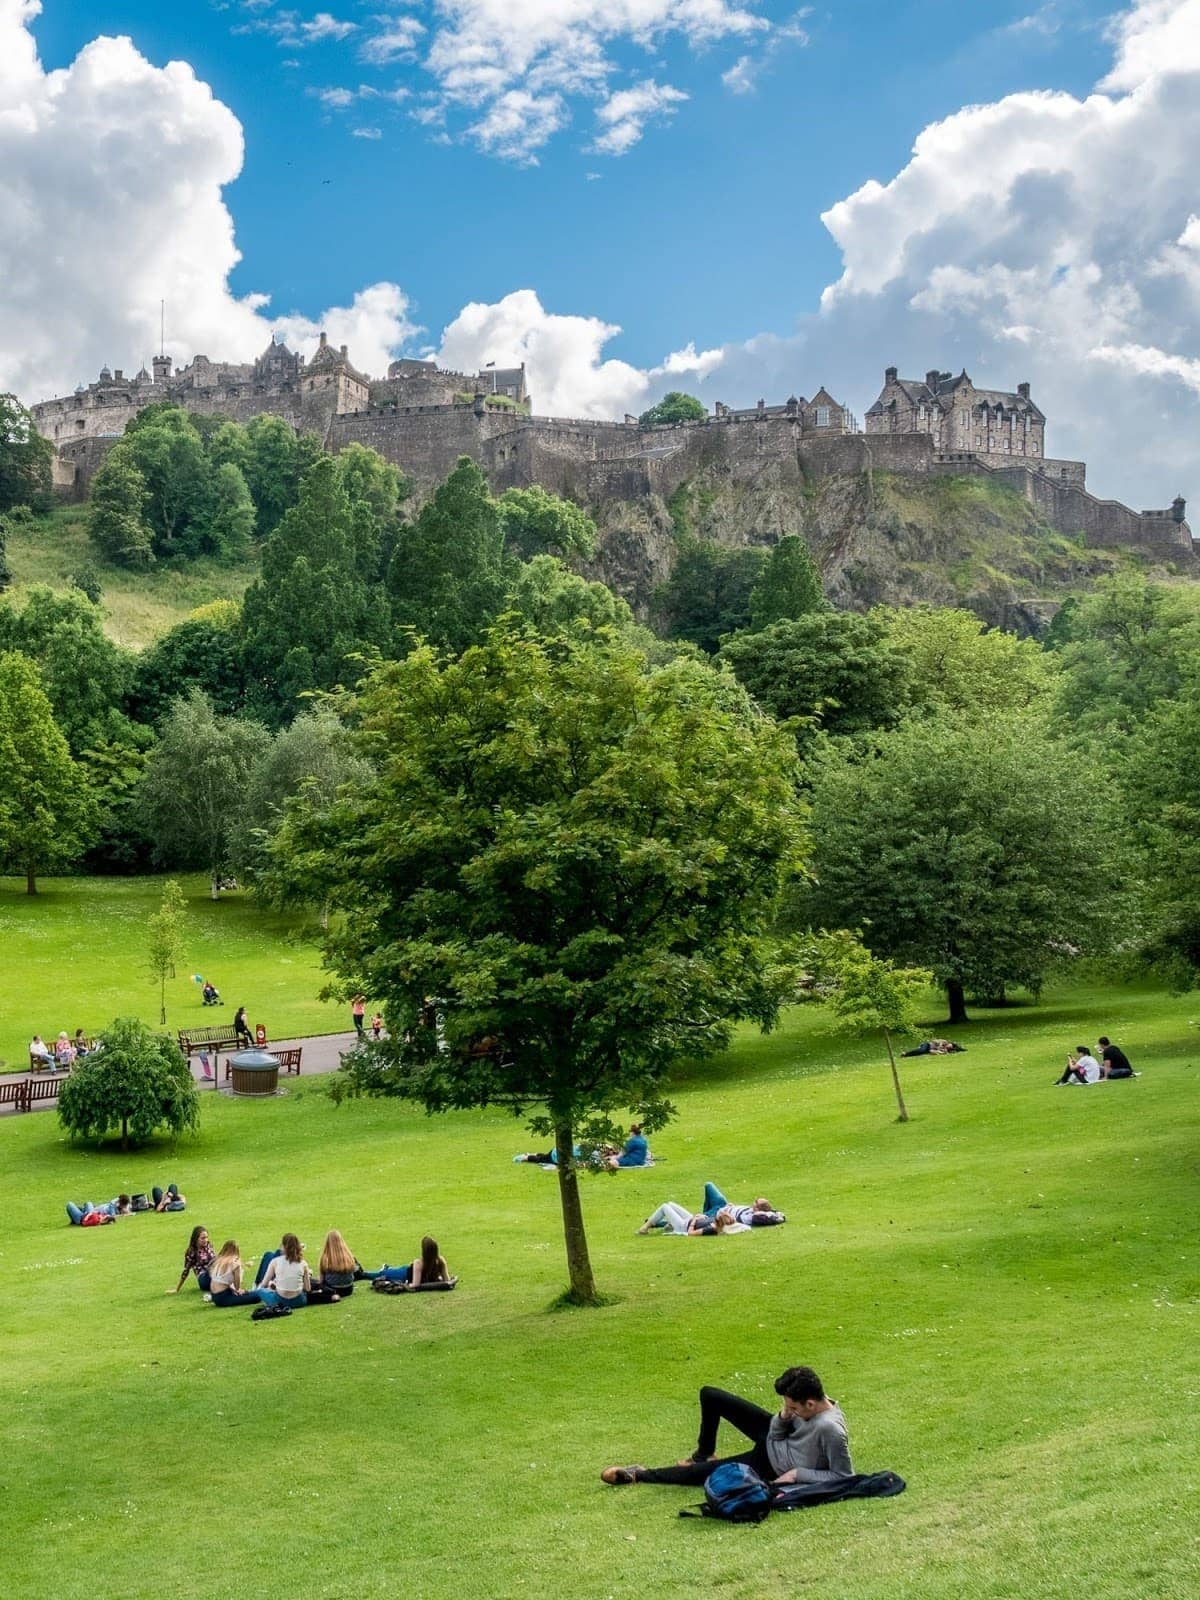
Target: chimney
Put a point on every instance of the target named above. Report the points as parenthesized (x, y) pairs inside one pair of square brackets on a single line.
[(344, 350), (118, 374), (323, 342), (1023, 390), (890, 374), (931, 378)]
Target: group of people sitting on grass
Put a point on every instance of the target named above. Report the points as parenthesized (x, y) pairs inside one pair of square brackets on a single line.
[(805, 1441), (284, 1278), (92, 1215), (62, 1055), (1083, 1067), (716, 1216), (635, 1152)]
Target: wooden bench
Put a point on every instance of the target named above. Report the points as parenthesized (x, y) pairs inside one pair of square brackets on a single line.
[(193, 1040), (14, 1092), (289, 1060), (42, 1089)]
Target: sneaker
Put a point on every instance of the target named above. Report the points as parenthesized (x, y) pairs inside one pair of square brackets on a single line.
[(208, 1297)]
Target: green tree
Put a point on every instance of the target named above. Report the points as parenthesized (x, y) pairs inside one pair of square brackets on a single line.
[(192, 789), (708, 593), (954, 662), (47, 810), (167, 450), (25, 458), (317, 605), (84, 673), (1157, 773), (365, 476), (448, 577), (789, 585), (117, 511), (137, 1080), (553, 599), (578, 856), (227, 522), (674, 407), (276, 462), (536, 522), (203, 652), (834, 671), (6, 528), (977, 850), (165, 948), (867, 994)]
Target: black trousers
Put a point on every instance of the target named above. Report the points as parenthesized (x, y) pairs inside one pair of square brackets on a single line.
[(717, 1406)]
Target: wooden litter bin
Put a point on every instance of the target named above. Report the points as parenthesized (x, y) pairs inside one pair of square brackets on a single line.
[(254, 1072)]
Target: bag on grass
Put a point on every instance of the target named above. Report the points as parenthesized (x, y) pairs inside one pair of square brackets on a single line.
[(269, 1313), (139, 1203), (733, 1492)]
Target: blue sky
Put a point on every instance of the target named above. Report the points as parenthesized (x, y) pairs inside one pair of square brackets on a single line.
[(741, 198), (707, 230)]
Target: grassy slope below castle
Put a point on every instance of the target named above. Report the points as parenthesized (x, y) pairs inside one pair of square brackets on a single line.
[(138, 606), (1002, 1294)]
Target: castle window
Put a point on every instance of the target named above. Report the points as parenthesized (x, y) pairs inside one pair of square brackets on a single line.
[(977, 441), (822, 416)]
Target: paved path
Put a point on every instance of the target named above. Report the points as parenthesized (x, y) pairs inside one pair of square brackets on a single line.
[(322, 1053)]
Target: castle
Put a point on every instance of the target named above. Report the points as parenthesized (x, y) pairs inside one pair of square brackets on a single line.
[(423, 418)]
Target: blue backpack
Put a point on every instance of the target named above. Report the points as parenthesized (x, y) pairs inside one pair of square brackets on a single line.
[(733, 1492)]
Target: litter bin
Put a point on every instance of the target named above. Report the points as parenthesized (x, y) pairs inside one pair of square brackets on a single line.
[(254, 1072)]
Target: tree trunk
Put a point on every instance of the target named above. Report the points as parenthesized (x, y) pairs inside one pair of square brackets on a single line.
[(30, 880), (124, 1133), (162, 1004), (582, 1289), (903, 1117), (957, 1002), (214, 886)]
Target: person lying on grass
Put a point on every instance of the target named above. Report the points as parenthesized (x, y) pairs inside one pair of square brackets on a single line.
[(169, 1199), (805, 1441), (197, 1258), (672, 1218), (429, 1267), (759, 1214), (122, 1206)]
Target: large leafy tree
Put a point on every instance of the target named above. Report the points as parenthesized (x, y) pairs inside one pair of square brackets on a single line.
[(561, 881), (953, 661), (117, 510), (136, 1081), (536, 523), (204, 652), (274, 465), (317, 605), (552, 599), (675, 406), (789, 585), (985, 852), (1159, 777), (84, 673), (47, 811), (834, 671), (191, 792), (25, 457), (708, 593), (448, 575)]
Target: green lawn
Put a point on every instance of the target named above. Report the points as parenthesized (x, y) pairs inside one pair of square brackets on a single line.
[(138, 606), (1003, 1294), (75, 957)]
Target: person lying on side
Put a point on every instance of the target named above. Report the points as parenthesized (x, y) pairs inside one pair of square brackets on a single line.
[(760, 1214), (805, 1441), (429, 1267), (169, 1199), (672, 1218), (122, 1206)]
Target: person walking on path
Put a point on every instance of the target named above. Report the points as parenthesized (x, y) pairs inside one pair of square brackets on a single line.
[(358, 1010)]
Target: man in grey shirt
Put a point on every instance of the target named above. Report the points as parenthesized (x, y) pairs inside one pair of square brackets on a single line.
[(805, 1441)]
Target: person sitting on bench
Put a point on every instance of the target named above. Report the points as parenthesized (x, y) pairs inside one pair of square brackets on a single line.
[(39, 1052), (805, 1441), (429, 1267), (672, 1218), (241, 1029), (761, 1214)]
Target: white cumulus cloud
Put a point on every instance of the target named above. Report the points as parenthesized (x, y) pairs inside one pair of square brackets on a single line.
[(623, 116)]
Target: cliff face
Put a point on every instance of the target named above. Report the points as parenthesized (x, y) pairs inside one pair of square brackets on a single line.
[(877, 538)]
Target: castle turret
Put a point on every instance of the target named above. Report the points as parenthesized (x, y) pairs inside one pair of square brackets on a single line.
[(161, 366)]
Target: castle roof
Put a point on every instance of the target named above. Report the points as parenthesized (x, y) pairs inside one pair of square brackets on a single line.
[(938, 389)]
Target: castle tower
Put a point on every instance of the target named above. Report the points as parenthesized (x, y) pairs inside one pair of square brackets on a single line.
[(162, 369)]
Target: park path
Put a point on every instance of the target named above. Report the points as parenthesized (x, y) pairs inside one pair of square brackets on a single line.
[(322, 1052)]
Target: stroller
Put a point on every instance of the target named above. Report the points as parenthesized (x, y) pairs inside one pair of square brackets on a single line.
[(210, 996)]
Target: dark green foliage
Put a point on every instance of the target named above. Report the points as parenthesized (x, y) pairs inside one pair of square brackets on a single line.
[(137, 1081), (203, 652), (578, 856), (448, 578), (552, 599), (192, 790), (318, 604), (5, 569), (116, 512), (708, 593), (1159, 774), (25, 458), (834, 670), (538, 523), (788, 587), (674, 407), (276, 462), (48, 814), (83, 672), (986, 852), (87, 581)]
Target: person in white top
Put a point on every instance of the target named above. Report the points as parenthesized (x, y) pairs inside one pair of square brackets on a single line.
[(1082, 1067), (288, 1278)]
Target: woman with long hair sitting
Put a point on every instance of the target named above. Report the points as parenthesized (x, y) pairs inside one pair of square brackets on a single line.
[(336, 1271), (197, 1258), (288, 1278), (225, 1278), (429, 1267)]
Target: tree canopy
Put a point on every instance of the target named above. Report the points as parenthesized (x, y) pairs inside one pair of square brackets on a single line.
[(674, 406), (25, 458), (788, 586), (561, 880), (136, 1081), (708, 593)]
